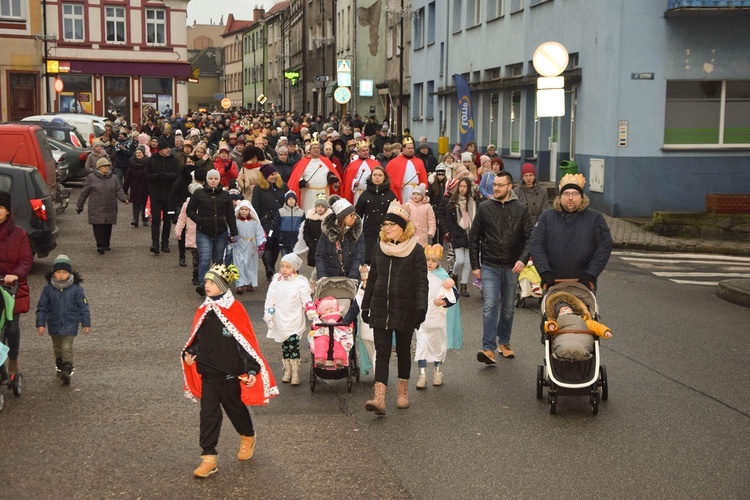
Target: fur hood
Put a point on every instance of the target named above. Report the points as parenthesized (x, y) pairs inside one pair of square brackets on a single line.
[(331, 228), (577, 304), (558, 207)]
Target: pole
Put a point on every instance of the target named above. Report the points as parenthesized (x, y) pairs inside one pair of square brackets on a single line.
[(46, 76), (323, 44), (255, 75), (401, 75)]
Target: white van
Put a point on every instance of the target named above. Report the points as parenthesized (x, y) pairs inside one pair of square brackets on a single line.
[(90, 126)]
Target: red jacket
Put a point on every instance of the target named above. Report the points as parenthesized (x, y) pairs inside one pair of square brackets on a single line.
[(16, 258)]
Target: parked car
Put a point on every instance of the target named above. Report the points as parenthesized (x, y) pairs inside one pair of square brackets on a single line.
[(32, 206), (26, 144), (90, 126), (74, 157), (57, 129)]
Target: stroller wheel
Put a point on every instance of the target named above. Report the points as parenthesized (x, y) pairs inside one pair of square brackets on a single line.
[(2, 401), (312, 378), (595, 402), (552, 398), (603, 382), (539, 382), (17, 384)]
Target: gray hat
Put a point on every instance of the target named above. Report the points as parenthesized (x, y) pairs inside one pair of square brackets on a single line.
[(213, 173)]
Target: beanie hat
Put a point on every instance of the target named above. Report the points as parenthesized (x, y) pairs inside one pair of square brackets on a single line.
[(224, 147), (326, 303), (102, 161), (193, 187), (267, 170), (222, 275), (467, 157), (560, 305), (321, 201), (293, 260), (178, 132), (397, 214), (213, 173), (483, 159), (572, 181), (341, 207), (419, 189), (235, 194), (62, 263), (163, 144), (528, 168), (199, 174), (440, 168), (5, 200), (290, 194), (141, 148)]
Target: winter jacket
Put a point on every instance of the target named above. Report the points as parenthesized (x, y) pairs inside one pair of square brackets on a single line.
[(212, 211), (535, 197), (102, 192), (372, 206), (61, 310), (188, 225), (124, 151), (135, 184), (284, 168), (311, 233), (286, 225), (267, 200), (459, 237), (569, 245), (430, 162), (161, 172), (247, 179), (352, 246), (93, 158), (228, 170), (423, 217), (500, 233), (16, 258), (397, 288)]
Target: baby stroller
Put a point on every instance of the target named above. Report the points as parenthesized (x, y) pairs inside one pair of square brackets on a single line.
[(15, 383), (529, 285), (572, 378), (343, 290)]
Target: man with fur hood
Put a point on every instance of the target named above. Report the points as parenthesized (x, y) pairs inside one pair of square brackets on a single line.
[(341, 248), (571, 241), (570, 324)]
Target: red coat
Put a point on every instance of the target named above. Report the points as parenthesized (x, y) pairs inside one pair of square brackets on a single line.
[(351, 172), (228, 170), (16, 258), (299, 169), (234, 317), (396, 168)]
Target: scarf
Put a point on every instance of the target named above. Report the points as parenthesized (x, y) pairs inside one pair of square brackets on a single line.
[(62, 284), (396, 249), (465, 213)]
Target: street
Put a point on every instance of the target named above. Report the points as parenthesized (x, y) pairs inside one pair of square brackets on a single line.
[(676, 425)]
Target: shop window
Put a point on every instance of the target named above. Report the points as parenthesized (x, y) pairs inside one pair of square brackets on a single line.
[(73, 22), (115, 24), (157, 94), (156, 27), (11, 10), (77, 96)]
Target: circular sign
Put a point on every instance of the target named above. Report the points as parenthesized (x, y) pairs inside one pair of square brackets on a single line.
[(550, 59), (342, 95), (59, 85), (225, 103)]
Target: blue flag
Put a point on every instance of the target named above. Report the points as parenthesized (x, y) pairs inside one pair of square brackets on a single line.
[(465, 113)]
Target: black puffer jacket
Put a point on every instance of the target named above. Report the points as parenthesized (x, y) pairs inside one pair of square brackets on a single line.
[(501, 232), (267, 200), (161, 172), (396, 293), (212, 211), (372, 206), (352, 249)]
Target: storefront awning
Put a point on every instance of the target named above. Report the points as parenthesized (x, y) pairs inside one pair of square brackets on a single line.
[(170, 69)]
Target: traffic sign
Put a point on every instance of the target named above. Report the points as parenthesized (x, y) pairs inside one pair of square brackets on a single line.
[(342, 95), (322, 78), (225, 103), (365, 88), (344, 79), (344, 66)]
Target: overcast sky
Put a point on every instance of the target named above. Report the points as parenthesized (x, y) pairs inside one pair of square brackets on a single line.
[(203, 11)]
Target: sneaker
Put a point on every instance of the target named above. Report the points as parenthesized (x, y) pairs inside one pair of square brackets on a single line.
[(486, 356), (66, 373), (506, 351)]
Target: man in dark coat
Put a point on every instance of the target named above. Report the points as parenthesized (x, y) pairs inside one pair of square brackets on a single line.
[(162, 170)]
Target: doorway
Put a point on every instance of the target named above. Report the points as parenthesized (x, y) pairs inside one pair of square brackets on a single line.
[(23, 96)]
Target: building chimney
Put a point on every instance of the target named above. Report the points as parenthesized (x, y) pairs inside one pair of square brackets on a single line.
[(258, 13)]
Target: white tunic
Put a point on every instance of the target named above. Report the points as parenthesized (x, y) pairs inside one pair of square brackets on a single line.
[(288, 296), (250, 236), (411, 180), (432, 335), (359, 183), (316, 175)]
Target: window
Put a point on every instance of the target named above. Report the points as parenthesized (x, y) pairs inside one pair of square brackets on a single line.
[(11, 10), (493, 73), (707, 113), (419, 29), (115, 24), (430, 111), (156, 27), (72, 22), (418, 112), (442, 57), (516, 6), (514, 70), (495, 9), (457, 10), (473, 12), (515, 123), (431, 23)]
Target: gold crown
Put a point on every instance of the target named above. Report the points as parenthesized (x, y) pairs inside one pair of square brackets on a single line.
[(407, 140), (573, 180), (314, 139), (434, 252), (363, 143), (400, 210), (228, 273)]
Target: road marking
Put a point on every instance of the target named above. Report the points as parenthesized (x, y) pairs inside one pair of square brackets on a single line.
[(690, 282), (689, 269), (698, 275), (691, 256)]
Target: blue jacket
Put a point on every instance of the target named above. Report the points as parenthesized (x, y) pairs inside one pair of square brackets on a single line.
[(287, 223), (62, 310)]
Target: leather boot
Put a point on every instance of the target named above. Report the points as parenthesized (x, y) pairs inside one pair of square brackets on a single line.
[(377, 403), (208, 466), (403, 394), (464, 291), (287, 371), (247, 447), (438, 379), (295, 370), (422, 380)]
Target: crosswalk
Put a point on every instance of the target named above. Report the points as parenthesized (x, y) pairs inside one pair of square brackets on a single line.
[(689, 268)]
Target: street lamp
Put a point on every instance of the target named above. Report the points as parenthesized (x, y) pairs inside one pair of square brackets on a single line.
[(400, 13)]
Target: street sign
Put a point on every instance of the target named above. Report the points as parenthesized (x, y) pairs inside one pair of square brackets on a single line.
[(342, 95), (262, 99), (344, 66), (322, 78), (344, 79), (365, 88), (225, 103)]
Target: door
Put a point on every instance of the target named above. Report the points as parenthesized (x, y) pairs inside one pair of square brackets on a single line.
[(23, 96), (117, 95)]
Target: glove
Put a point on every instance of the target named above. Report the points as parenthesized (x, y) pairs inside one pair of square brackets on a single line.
[(548, 279), (79, 210), (232, 239), (302, 183), (588, 280), (366, 316), (421, 314)]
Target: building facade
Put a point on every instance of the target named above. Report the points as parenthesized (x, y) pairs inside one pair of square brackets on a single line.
[(320, 56), (254, 48), (234, 61), (276, 53)]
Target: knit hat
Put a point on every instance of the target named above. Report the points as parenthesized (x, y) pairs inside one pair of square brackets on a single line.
[(235, 194), (222, 275), (290, 194), (163, 144), (326, 303), (483, 159), (341, 207), (224, 147), (293, 260), (467, 157), (178, 132), (440, 168), (267, 170), (193, 187), (62, 263), (102, 161), (572, 181), (434, 252), (560, 305), (5, 200), (528, 168), (419, 189), (141, 148), (398, 214), (213, 173), (199, 174), (321, 201)]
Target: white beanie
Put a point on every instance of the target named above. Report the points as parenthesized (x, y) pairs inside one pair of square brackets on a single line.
[(213, 173), (193, 187), (467, 157), (293, 260)]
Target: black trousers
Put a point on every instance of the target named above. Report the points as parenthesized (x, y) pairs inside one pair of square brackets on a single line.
[(383, 345), (181, 243), (215, 395), (102, 235), (139, 210), (159, 211), (270, 256)]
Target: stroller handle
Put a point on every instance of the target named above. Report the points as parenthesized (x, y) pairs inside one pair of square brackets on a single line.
[(589, 332), (318, 325)]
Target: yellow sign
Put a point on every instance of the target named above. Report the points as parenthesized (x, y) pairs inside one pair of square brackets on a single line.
[(225, 103), (53, 66)]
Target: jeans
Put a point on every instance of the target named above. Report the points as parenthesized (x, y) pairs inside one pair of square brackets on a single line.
[(499, 288), (210, 249), (462, 266)]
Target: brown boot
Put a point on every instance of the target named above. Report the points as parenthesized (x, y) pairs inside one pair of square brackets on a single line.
[(377, 403), (207, 467), (403, 393), (247, 447)]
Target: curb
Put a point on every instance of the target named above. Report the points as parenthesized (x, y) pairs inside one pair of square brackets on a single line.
[(736, 291), (678, 246)]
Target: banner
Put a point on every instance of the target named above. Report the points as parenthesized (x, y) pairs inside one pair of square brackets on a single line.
[(465, 113)]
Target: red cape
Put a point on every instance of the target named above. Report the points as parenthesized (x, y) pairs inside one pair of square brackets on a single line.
[(300, 167), (396, 168), (234, 317), (351, 172)]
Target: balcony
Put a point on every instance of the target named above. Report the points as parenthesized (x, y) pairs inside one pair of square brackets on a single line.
[(687, 8)]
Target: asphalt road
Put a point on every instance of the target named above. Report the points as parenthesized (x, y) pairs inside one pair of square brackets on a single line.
[(677, 423)]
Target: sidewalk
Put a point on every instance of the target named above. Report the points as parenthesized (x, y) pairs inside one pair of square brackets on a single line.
[(630, 236)]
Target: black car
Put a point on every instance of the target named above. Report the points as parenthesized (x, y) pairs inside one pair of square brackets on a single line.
[(70, 158), (33, 207), (58, 130)]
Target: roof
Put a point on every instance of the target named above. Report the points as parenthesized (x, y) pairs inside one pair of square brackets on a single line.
[(235, 26), (278, 7)]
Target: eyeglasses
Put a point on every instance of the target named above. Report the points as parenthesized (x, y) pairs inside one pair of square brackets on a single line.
[(388, 225), (494, 184), (439, 173), (571, 194)]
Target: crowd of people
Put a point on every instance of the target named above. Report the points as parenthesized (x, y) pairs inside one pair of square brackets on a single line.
[(362, 203)]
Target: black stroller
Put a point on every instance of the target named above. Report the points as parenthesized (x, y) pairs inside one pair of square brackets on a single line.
[(572, 378), (14, 383), (344, 291)]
